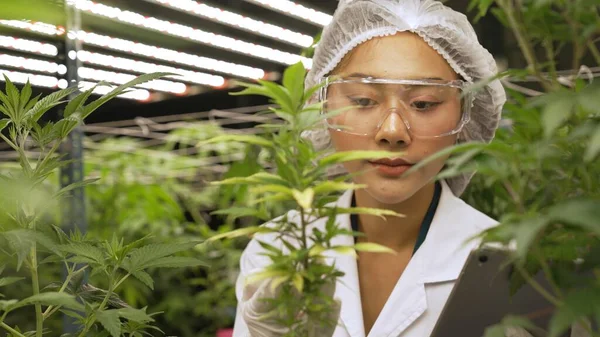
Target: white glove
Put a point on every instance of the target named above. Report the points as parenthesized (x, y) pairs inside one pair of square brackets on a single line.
[(253, 308), (516, 332)]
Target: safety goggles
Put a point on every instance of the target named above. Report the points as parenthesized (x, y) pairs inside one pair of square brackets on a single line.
[(429, 108)]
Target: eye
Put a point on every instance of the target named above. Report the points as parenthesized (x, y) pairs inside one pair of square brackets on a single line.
[(424, 105), (363, 102)]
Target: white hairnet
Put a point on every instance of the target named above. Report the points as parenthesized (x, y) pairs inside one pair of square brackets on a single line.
[(445, 30)]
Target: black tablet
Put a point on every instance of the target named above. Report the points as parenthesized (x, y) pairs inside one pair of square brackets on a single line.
[(481, 298)]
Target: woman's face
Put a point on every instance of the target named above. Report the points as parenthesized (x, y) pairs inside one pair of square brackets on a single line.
[(400, 56)]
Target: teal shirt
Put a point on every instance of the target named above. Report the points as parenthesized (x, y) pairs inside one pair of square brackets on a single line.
[(424, 225)]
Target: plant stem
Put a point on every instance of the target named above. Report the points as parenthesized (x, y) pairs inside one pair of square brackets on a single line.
[(507, 7), (548, 274), (535, 285), (9, 142), (11, 330), (111, 287), (121, 281), (594, 51), (39, 318), (49, 311)]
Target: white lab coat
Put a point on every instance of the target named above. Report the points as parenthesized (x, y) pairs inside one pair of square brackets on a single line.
[(416, 302)]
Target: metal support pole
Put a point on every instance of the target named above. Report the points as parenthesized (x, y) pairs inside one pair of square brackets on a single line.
[(73, 211)]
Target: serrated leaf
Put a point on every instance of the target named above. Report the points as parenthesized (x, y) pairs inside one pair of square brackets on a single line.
[(345, 250), (237, 233), (77, 103), (580, 212), (336, 186), (293, 81), (140, 258), (13, 96), (4, 123), (265, 274), (88, 109), (249, 139), (304, 198), (298, 282), (7, 304), (346, 156), (555, 114), (373, 248), (237, 212), (270, 188), (144, 277), (135, 315), (86, 250), (21, 241), (9, 280), (25, 95), (75, 186), (47, 103), (175, 262), (592, 150), (382, 213), (51, 298), (110, 321)]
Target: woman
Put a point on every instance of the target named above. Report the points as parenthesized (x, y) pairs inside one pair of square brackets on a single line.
[(402, 66)]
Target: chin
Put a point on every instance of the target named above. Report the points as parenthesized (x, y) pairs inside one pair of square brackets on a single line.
[(391, 190)]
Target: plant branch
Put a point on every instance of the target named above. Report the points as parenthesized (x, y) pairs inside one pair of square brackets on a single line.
[(121, 281), (92, 317), (535, 285), (9, 142), (11, 330), (50, 310), (524, 45), (594, 51), (39, 319)]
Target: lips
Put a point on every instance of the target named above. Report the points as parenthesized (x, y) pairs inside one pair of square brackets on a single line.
[(391, 167)]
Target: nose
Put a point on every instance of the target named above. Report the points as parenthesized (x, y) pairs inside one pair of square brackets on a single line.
[(393, 131)]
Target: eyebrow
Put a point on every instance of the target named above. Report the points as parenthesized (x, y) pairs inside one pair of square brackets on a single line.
[(362, 75)]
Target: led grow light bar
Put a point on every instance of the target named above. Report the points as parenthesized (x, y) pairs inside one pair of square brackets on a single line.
[(32, 64), (292, 9), (190, 33), (154, 52), (146, 67), (35, 80), (238, 21), (28, 45)]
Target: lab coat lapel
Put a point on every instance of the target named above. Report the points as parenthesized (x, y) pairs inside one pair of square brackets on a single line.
[(347, 288), (440, 258)]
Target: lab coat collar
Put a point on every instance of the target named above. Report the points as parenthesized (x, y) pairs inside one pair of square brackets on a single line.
[(439, 259)]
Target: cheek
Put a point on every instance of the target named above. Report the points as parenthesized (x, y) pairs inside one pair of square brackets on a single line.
[(347, 142), (430, 147)]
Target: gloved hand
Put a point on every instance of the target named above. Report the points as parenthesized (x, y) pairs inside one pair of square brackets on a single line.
[(516, 332), (254, 308)]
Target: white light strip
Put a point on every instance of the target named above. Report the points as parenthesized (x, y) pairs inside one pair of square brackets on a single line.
[(137, 94), (38, 27), (190, 33), (238, 21), (145, 68), (31, 64), (170, 55), (28, 45), (36, 80), (158, 53), (293, 9), (120, 78)]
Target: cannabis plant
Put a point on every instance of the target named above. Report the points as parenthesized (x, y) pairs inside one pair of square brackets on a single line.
[(31, 241), (298, 176), (541, 175)]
